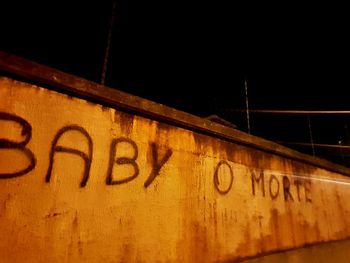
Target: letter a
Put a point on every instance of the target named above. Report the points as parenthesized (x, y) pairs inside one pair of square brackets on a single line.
[(56, 149)]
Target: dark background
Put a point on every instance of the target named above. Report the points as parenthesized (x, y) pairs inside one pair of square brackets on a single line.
[(195, 56)]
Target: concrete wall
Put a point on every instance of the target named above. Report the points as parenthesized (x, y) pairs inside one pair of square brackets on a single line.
[(85, 183)]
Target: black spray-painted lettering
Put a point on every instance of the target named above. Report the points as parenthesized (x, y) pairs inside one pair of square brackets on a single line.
[(61, 149), (276, 192), (289, 186), (18, 146), (286, 189), (258, 180), (307, 187), (156, 166), (216, 178), (121, 161), (298, 183)]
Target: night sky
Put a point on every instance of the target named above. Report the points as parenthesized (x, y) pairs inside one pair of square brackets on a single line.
[(195, 56)]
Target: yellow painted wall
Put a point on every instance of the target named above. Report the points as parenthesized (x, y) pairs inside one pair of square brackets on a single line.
[(123, 188)]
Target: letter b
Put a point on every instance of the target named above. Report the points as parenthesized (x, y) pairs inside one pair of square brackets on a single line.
[(18, 146)]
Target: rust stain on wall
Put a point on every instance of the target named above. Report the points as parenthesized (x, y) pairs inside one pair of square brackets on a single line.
[(126, 122)]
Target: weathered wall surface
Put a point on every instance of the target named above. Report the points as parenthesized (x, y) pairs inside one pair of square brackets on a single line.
[(84, 183)]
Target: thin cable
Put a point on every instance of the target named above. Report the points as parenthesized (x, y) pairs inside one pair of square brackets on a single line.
[(317, 145), (108, 44), (321, 112), (247, 104), (341, 150), (311, 138)]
